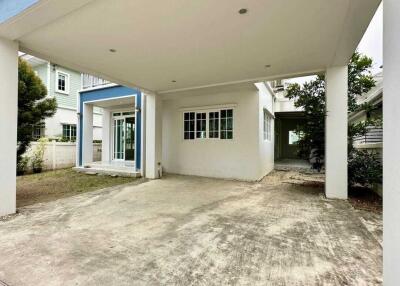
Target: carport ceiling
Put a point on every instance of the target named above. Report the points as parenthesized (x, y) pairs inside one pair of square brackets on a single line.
[(179, 44), (122, 102)]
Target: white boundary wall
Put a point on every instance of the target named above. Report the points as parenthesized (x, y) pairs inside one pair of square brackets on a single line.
[(60, 155)]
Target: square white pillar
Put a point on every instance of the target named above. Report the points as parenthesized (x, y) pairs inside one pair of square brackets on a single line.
[(8, 124), (153, 136), (106, 136), (336, 133), (87, 134), (391, 150)]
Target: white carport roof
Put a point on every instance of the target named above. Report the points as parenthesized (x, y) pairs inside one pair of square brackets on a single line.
[(195, 43)]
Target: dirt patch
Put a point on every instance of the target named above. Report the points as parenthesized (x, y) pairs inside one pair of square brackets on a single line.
[(360, 198), (306, 179), (365, 199), (53, 185)]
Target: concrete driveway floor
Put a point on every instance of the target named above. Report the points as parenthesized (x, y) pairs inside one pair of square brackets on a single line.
[(185, 230)]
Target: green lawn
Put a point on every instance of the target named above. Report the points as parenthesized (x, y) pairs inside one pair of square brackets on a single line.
[(52, 185)]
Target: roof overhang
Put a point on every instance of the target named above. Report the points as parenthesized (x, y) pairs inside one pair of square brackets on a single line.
[(180, 45)]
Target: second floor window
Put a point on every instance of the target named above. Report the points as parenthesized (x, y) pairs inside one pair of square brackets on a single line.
[(62, 82)]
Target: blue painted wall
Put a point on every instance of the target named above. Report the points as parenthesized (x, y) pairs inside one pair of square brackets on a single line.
[(11, 8), (109, 93)]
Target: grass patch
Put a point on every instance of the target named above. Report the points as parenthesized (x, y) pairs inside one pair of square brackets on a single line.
[(52, 185)]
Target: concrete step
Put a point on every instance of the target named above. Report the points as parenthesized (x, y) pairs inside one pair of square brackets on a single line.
[(108, 171)]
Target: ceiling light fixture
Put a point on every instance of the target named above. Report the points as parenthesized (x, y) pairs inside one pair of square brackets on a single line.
[(243, 11)]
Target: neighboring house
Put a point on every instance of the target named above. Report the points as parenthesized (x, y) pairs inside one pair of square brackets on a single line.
[(372, 141), (63, 84), (374, 98), (204, 132)]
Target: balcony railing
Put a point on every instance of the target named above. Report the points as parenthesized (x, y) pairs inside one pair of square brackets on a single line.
[(374, 135), (90, 81)]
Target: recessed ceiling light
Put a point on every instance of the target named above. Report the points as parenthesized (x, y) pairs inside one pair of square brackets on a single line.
[(267, 66), (112, 50), (173, 80), (243, 11)]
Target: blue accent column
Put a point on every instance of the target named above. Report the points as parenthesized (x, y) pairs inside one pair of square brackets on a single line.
[(106, 94)]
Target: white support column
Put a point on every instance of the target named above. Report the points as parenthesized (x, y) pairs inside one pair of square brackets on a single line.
[(106, 136), (391, 150), (153, 136), (143, 145), (8, 124), (87, 140), (336, 133)]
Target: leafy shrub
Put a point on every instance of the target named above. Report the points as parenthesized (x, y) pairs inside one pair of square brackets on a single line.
[(37, 157), (364, 168), (64, 139), (22, 165)]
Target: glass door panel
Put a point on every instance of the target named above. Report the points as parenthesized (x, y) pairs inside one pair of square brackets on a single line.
[(119, 139), (130, 139)]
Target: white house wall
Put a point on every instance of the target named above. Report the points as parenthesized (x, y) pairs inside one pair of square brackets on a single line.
[(97, 124), (68, 116), (54, 124), (266, 147), (65, 100), (106, 136), (237, 158)]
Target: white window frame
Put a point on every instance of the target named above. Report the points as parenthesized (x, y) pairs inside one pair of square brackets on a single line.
[(70, 125), (114, 115), (41, 128), (267, 125), (207, 111), (67, 80)]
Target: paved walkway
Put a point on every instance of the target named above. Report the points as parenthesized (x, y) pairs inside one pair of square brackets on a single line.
[(192, 231)]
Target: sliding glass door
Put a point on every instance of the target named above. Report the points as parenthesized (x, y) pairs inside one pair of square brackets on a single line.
[(124, 138), (119, 139)]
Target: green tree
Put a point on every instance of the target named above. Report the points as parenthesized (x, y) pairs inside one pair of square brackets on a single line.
[(311, 97), (33, 106)]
